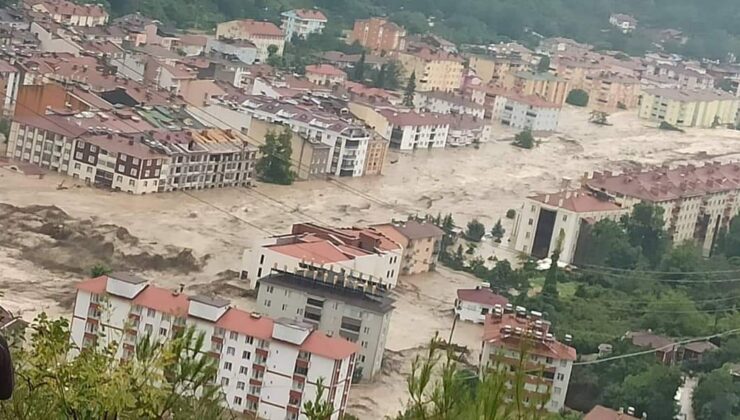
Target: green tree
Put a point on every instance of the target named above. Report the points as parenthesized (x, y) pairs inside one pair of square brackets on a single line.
[(475, 230), (577, 97), (359, 73), (497, 231), (408, 93), (524, 139), (320, 408), (543, 66), (274, 165), (684, 320), (649, 391), (99, 270), (550, 287), (730, 246), (273, 58), (607, 244), (717, 396), (644, 227)]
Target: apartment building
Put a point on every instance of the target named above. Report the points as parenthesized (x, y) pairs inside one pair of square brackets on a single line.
[(610, 92), (302, 23), (310, 156), (544, 85), (527, 112), (378, 35), (493, 69), (10, 81), (548, 363), (466, 130), (337, 304), (267, 368), (244, 50), (377, 149), (547, 222), (261, 33), (448, 103), (325, 75), (367, 252), (475, 305), (410, 130), (420, 241), (69, 13), (434, 69), (348, 140), (684, 108)]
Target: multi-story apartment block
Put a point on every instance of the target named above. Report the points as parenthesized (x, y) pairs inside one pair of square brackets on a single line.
[(337, 304), (325, 74), (68, 13), (611, 92), (410, 130), (547, 222), (364, 251), (303, 22), (527, 112), (267, 368), (466, 130), (493, 69), (683, 108), (377, 149), (261, 34), (433, 69), (348, 141), (378, 35), (10, 80), (475, 305), (507, 332), (421, 242), (448, 103), (545, 85)]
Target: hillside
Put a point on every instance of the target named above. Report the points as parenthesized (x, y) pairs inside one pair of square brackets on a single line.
[(712, 31)]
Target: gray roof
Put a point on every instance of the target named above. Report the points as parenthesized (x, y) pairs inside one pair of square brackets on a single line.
[(127, 277), (690, 95), (417, 230), (210, 300)]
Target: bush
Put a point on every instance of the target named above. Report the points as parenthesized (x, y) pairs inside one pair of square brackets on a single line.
[(510, 214), (577, 97), (669, 127), (475, 230), (525, 140)]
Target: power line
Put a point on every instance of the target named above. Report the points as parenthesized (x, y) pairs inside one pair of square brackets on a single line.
[(227, 213), (627, 270)]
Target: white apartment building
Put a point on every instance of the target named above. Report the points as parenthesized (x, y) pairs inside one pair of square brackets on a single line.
[(526, 112), (466, 130), (553, 221), (409, 130), (447, 103), (475, 305), (339, 304), (267, 368), (261, 33), (549, 363), (348, 141), (365, 252), (302, 23)]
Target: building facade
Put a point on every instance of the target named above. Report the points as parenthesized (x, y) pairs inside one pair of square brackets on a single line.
[(325, 74), (543, 85), (435, 70), (410, 130), (378, 35), (267, 368), (68, 13), (336, 305), (683, 108), (548, 364), (448, 103), (493, 70), (421, 242), (261, 33), (527, 112), (302, 23), (475, 305)]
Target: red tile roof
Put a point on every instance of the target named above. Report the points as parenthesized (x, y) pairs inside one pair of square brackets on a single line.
[(319, 251), (493, 334), (413, 118), (602, 413), (576, 201), (64, 7), (333, 348), (243, 322), (163, 300), (198, 40), (312, 14), (325, 69), (260, 28), (481, 295), (94, 285)]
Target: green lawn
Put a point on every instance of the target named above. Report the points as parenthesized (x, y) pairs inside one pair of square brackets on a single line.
[(566, 289)]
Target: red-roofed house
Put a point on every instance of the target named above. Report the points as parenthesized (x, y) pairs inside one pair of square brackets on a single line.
[(261, 33), (303, 22), (600, 412), (548, 364), (547, 221), (325, 74), (245, 344), (475, 304), (66, 12), (361, 250)]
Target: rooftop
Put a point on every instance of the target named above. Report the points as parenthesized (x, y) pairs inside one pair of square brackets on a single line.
[(651, 340), (603, 413), (429, 54), (484, 296), (341, 289), (501, 331), (578, 201), (163, 300), (260, 28), (325, 69), (307, 14), (691, 95), (413, 230), (538, 76), (332, 348), (64, 7), (452, 98), (412, 118), (246, 323)]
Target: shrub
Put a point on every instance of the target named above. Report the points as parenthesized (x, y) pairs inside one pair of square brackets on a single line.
[(577, 97)]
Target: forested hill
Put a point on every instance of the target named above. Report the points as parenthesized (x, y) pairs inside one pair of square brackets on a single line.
[(712, 25)]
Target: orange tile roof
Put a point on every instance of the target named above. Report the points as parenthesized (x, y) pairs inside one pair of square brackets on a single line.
[(163, 300), (482, 296), (577, 201), (333, 348), (318, 251), (94, 285), (493, 334), (325, 69), (603, 413), (242, 322), (310, 14), (260, 28)]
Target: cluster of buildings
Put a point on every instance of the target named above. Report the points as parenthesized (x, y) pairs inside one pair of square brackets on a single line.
[(698, 202)]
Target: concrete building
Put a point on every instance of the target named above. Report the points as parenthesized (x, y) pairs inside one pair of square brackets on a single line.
[(410, 130), (493, 69), (420, 241), (433, 69), (447, 103), (261, 34), (302, 23), (466, 130), (554, 221), (475, 305), (10, 81), (544, 85), (336, 304), (624, 23), (682, 108), (548, 364), (364, 251), (378, 35), (348, 140), (612, 92), (267, 368), (377, 149), (68, 13), (242, 49), (325, 75), (527, 112)]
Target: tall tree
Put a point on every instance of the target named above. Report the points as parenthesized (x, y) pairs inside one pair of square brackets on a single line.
[(359, 73), (475, 230), (408, 93), (550, 287), (497, 231), (320, 408), (644, 227), (543, 66), (274, 165)]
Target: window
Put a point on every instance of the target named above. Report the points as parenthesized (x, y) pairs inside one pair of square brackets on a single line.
[(267, 303), (284, 307), (364, 344), (563, 363), (131, 182), (134, 172), (243, 370), (270, 289), (565, 217), (148, 328), (557, 390), (163, 332), (248, 339), (238, 400), (255, 389), (262, 259), (246, 355), (150, 312), (366, 330), (89, 169), (119, 178), (560, 377), (227, 366), (531, 221), (240, 385), (135, 161), (230, 351), (77, 166), (224, 381), (165, 318), (91, 159), (548, 360)]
